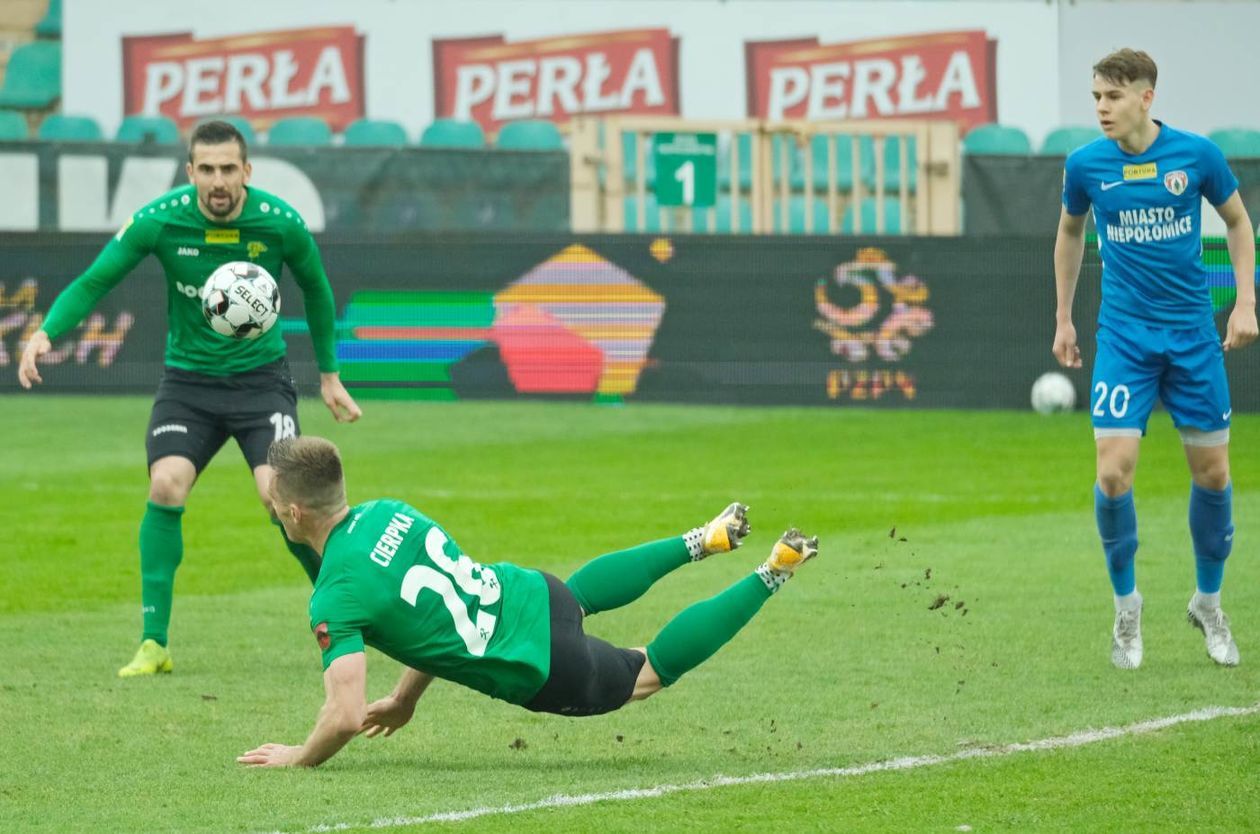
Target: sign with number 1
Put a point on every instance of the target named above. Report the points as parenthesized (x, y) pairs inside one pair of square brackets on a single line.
[(686, 169)]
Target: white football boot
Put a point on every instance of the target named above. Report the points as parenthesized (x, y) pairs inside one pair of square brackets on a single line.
[(1215, 627)]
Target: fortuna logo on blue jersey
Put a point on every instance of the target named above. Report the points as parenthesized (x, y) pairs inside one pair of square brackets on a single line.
[(1146, 225)]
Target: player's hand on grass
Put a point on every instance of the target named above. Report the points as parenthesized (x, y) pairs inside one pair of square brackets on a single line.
[(343, 407), (35, 348), (1065, 349), (386, 715), (271, 755), (1241, 329)]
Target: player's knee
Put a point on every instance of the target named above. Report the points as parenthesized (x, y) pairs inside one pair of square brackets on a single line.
[(168, 488), (1114, 481), (1213, 475), (648, 682)]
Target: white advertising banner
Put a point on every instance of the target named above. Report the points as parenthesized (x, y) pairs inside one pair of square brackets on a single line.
[(500, 60), (1021, 62)]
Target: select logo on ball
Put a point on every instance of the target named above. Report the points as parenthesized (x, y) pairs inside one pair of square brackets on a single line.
[(240, 300)]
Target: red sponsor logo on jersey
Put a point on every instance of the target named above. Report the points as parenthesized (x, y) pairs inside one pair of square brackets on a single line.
[(933, 75), (321, 636), (491, 81), (260, 75)]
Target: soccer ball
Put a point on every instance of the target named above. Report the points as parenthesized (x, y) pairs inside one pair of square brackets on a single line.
[(1053, 392), (240, 300)]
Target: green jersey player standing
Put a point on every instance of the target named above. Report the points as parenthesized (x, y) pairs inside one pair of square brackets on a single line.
[(392, 578), (213, 387)]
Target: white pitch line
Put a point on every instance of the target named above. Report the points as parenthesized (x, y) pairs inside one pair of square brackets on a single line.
[(1077, 739)]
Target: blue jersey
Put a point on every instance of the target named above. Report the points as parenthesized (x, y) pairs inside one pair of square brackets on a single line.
[(1147, 211)]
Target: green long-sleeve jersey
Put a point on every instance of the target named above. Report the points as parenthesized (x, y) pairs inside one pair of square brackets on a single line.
[(189, 246), (391, 578)]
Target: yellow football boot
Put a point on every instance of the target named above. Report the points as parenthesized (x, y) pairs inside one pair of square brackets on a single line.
[(151, 659)]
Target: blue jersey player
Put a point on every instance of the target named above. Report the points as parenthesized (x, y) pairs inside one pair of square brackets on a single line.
[(1156, 334)]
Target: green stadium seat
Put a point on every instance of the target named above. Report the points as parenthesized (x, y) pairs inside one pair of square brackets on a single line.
[(60, 127), (796, 216), (32, 80), (723, 223), (844, 162), (376, 133), (50, 25), (1237, 142), (1063, 140), (299, 131), (140, 129), (892, 164), (241, 124), (864, 218), (530, 135), (13, 127), (629, 161), (652, 214), (997, 139), (453, 133), (745, 160)]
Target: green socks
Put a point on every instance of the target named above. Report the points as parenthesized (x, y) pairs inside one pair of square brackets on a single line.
[(306, 556), (161, 550), (697, 632), (619, 578)]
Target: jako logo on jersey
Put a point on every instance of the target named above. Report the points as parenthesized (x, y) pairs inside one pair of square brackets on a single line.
[(255, 248), (170, 427), (321, 636), (225, 235), (188, 251), (1176, 182), (1141, 172)]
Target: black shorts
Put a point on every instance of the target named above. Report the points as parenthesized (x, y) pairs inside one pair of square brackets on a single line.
[(588, 676), (194, 414)]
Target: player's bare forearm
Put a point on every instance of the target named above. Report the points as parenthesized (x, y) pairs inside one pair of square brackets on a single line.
[(1242, 254), (1241, 329), (1069, 249), (412, 685), (332, 731), (345, 683)]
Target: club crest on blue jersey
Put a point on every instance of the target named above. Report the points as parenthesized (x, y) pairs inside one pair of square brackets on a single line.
[(1176, 181)]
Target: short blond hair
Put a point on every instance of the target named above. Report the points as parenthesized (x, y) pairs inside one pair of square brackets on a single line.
[(1125, 66), (308, 472)]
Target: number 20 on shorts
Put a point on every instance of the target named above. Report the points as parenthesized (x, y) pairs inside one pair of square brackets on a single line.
[(1115, 400)]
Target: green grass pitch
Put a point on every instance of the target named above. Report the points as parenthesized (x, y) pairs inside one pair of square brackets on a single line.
[(959, 601)]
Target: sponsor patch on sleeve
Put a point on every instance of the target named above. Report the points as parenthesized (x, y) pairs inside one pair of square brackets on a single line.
[(321, 637)]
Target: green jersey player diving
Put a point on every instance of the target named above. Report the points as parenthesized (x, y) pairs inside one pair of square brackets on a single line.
[(392, 578), (213, 387)]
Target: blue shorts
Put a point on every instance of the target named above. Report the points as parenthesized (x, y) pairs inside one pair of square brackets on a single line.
[(1185, 367)]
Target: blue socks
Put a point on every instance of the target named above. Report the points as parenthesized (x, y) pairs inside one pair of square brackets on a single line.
[(1117, 527), (1212, 530)]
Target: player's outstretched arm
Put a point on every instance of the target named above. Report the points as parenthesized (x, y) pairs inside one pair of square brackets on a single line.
[(394, 710), (343, 407), (1069, 248), (1241, 330), (28, 373), (345, 685)]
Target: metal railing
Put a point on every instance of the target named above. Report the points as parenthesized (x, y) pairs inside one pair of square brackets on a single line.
[(869, 177)]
